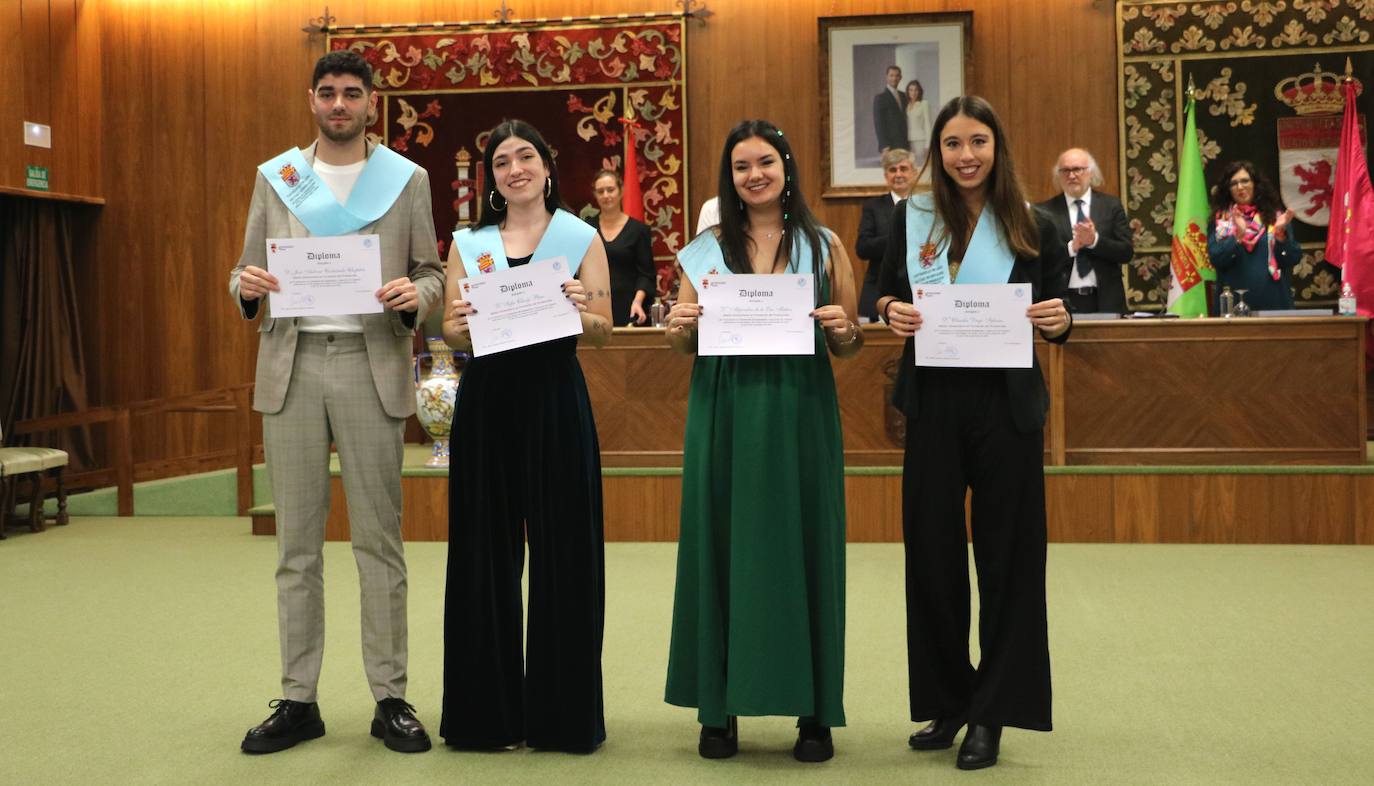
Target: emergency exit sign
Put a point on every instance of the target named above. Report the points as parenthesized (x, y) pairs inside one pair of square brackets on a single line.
[(36, 178)]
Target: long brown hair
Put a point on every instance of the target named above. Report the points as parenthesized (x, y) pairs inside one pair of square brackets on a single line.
[(1005, 196)]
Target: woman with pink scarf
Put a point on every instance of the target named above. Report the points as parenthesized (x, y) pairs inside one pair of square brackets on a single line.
[(1250, 240)]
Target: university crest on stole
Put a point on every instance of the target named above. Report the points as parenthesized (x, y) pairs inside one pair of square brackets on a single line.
[(289, 175), (485, 263)]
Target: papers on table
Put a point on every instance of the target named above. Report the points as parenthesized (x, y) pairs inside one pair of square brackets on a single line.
[(520, 306), (325, 276), (974, 326), (749, 314)]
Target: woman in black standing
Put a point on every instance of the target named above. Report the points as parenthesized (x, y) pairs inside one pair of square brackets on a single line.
[(629, 251), (979, 429), (527, 473)]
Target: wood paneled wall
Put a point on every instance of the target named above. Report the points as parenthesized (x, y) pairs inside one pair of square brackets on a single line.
[(198, 92), (50, 66)]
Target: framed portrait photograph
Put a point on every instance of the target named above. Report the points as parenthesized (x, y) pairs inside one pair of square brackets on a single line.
[(883, 78)]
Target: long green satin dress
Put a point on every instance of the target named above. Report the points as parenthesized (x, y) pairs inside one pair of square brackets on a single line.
[(758, 615)]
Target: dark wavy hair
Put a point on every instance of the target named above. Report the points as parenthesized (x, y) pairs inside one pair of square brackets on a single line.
[(505, 130), (798, 220), (1005, 195), (1266, 200)]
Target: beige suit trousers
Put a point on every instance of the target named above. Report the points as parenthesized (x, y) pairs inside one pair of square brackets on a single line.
[(332, 398)]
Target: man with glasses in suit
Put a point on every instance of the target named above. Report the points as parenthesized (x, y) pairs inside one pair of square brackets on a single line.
[(1092, 225)]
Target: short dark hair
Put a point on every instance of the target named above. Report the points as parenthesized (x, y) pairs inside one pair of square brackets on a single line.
[(342, 61), (893, 67), (488, 214)]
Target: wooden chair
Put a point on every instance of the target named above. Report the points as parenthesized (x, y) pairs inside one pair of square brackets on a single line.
[(18, 462)]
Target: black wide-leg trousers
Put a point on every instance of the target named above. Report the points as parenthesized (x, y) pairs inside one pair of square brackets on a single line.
[(963, 437), (526, 468)]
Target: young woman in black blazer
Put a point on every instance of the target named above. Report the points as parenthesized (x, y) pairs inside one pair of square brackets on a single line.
[(979, 429)]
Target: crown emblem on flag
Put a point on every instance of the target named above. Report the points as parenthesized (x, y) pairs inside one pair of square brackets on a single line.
[(289, 175), (1316, 92)]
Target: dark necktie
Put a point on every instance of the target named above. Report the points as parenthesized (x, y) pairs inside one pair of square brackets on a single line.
[(1082, 264)]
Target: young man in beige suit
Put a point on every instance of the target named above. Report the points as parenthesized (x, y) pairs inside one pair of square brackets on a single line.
[(343, 379)]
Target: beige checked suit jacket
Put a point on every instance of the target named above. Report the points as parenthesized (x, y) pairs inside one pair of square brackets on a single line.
[(408, 249)]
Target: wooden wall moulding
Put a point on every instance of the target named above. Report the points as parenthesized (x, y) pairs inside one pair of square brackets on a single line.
[(1131, 506)]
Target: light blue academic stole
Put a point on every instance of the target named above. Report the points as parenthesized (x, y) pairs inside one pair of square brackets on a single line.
[(704, 257), (383, 178), (566, 236), (988, 259)]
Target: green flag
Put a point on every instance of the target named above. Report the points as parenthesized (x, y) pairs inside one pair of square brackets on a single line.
[(1188, 258)]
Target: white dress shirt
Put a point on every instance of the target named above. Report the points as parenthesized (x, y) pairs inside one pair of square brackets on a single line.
[(1090, 280)]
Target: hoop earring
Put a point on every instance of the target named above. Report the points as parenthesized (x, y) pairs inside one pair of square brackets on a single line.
[(548, 185), (491, 200)]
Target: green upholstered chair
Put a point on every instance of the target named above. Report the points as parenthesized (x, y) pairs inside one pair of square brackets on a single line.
[(18, 462)]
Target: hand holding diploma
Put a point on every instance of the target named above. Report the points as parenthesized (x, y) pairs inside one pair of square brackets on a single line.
[(903, 318), (1049, 317), (576, 293), (399, 295), (254, 282), (682, 317)]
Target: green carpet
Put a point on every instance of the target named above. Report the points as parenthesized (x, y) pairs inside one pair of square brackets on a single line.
[(140, 650)]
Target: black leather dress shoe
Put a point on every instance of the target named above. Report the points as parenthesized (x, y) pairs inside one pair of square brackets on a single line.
[(980, 747), (719, 743), (396, 725), (813, 743), (291, 722), (938, 736)]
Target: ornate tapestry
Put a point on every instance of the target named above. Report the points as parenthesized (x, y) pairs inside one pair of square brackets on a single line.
[(442, 90), (1266, 75)]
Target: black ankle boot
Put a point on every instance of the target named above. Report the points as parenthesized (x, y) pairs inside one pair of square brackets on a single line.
[(719, 743), (814, 743), (980, 747), (939, 735)]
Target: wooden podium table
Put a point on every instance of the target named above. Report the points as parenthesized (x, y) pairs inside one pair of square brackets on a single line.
[(1140, 391)]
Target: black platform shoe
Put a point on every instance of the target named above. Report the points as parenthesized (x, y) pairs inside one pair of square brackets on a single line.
[(938, 736), (291, 722), (813, 743), (980, 747), (397, 727), (719, 743)]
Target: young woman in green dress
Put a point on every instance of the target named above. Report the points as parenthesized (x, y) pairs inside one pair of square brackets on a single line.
[(758, 615)]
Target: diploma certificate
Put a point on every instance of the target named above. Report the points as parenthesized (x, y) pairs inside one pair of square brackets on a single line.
[(325, 276), (974, 326), (520, 306), (749, 314)]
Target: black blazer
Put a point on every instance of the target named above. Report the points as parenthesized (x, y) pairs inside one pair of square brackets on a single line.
[(873, 229), (889, 119), (1046, 274), (1115, 246)]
